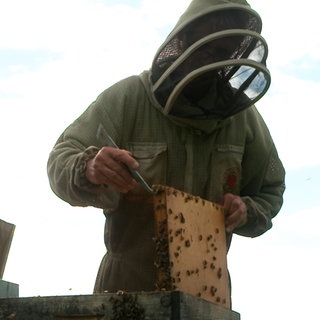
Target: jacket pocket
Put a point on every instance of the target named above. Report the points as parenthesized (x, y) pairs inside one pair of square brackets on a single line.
[(226, 173), (152, 158)]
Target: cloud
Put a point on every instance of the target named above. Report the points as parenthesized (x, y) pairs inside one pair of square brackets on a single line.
[(290, 107), (289, 29), (291, 113), (301, 228), (82, 24), (305, 68)]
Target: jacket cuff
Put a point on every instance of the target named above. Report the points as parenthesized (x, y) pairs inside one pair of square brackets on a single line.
[(81, 180)]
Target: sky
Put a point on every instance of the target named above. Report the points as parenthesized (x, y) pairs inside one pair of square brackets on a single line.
[(57, 56)]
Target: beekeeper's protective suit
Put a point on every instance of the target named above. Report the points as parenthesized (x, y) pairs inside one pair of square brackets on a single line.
[(191, 123)]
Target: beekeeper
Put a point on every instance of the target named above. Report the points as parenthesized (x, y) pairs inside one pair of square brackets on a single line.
[(190, 123)]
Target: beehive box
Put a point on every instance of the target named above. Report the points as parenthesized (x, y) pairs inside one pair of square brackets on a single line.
[(8, 289), (173, 305), (191, 246)]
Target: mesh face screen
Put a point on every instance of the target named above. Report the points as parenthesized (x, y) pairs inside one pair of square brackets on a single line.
[(206, 25), (205, 56), (168, 55)]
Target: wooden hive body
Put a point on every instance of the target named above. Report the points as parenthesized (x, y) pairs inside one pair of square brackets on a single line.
[(191, 246), (6, 235)]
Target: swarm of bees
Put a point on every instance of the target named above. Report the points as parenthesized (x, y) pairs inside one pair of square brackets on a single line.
[(126, 307)]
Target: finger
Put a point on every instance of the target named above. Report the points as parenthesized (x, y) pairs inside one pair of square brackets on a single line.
[(236, 218), (235, 211), (231, 222), (227, 202), (113, 156), (117, 174), (117, 160), (125, 157), (105, 168)]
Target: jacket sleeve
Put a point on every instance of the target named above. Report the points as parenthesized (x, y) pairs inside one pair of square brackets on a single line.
[(81, 141), (263, 179)]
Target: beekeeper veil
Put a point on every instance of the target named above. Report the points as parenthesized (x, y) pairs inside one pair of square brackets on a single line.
[(213, 63)]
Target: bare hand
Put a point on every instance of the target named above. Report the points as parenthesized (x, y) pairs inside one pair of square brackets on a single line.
[(235, 210), (108, 167)]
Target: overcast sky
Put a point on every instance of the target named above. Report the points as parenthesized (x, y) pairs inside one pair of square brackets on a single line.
[(57, 56)]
